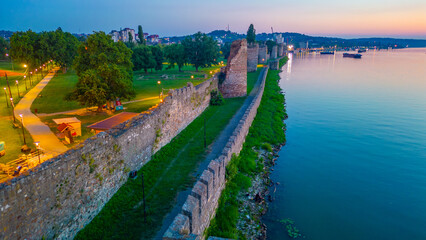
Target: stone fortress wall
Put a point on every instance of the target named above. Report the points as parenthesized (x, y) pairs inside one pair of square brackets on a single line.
[(200, 206), (235, 83), (59, 197), (252, 57), (274, 52), (263, 52)]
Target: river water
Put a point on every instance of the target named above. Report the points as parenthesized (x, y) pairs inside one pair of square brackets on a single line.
[(354, 166)]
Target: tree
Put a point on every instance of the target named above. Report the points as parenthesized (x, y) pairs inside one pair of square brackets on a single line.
[(270, 44), (130, 44), (201, 50), (142, 58), (226, 50), (104, 70), (175, 54), (24, 48), (157, 53), (141, 36), (4, 48), (251, 35)]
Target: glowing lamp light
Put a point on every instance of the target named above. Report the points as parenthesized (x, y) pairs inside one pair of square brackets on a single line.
[(17, 82), (25, 65), (7, 55), (20, 115), (161, 100), (37, 143), (4, 88), (192, 76), (159, 82)]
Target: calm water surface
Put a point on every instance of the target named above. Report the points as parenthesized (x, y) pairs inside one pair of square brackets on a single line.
[(354, 166)]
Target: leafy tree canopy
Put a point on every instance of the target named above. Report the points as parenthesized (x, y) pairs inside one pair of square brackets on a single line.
[(104, 69), (175, 54), (142, 58), (201, 50), (141, 36), (251, 35), (4, 48)]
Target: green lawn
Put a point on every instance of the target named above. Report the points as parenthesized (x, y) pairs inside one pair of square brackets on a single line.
[(10, 135), (168, 173), (145, 84), (52, 96), (251, 79)]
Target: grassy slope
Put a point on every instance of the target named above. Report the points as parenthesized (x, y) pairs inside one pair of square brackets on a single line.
[(168, 172), (251, 79), (266, 130)]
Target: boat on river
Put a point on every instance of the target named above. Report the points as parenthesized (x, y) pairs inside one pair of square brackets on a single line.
[(327, 52), (352, 55)]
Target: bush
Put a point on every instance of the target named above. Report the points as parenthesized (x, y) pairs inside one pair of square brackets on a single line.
[(216, 98)]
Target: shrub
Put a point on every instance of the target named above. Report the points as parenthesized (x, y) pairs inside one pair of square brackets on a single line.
[(216, 98)]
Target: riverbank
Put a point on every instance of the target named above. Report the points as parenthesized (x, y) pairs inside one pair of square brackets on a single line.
[(243, 200)]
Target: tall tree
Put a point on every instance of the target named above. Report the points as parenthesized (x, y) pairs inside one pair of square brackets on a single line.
[(105, 66), (201, 50), (175, 54), (270, 44), (24, 48), (157, 53), (141, 36), (251, 35), (142, 58), (130, 44)]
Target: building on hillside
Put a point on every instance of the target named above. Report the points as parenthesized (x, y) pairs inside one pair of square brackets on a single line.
[(123, 35), (153, 39)]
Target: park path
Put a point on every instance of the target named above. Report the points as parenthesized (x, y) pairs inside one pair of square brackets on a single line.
[(216, 150), (38, 130)]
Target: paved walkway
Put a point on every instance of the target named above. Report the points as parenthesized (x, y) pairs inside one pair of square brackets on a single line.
[(216, 150), (38, 130)]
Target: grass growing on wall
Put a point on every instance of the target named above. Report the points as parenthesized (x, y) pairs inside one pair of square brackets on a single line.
[(168, 173), (266, 130)]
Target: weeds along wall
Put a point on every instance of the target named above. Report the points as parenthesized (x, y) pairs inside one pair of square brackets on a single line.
[(201, 204), (59, 197)]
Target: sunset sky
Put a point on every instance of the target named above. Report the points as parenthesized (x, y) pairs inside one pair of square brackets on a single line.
[(361, 18)]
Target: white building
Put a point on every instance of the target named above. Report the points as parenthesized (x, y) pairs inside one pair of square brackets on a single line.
[(123, 35)]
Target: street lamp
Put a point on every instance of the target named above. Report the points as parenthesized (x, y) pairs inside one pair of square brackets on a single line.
[(25, 80), (17, 87), (5, 94), (159, 89), (31, 74), (23, 132), (38, 151), (13, 109)]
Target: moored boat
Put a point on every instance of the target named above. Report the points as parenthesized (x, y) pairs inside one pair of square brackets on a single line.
[(352, 55), (327, 52)]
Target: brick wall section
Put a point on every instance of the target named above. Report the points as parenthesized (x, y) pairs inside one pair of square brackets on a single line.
[(263, 51), (235, 83), (59, 197), (200, 206), (274, 52), (252, 57)]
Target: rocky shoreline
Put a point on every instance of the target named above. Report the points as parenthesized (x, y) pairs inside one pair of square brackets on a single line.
[(256, 199)]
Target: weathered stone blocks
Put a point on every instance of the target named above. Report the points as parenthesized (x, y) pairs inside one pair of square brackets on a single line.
[(263, 52), (274, 52), (280, 49), (235, 83), (62, 195), (201, 204), (252, 57)]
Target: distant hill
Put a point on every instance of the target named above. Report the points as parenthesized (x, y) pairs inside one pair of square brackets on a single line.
[(297, 38)]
